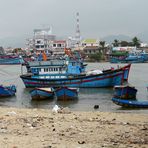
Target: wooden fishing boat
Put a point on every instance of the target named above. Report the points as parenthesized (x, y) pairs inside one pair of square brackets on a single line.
[(108, 79), (130, 103), (66, 93), (10, 59), (70, 72), (42, 93), (42, 76), (125, 57), (125, 92), (7, 91)]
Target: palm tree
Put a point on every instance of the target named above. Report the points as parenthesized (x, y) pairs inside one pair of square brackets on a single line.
[(115, 43), (102, 47), (136, 42), (102, 43)]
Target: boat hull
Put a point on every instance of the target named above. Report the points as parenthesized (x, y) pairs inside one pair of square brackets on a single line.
[(125, 92), (9, 61), (126, 70), (108, 79), (7, 91), (38, 94), (130, 103), (65, 93)]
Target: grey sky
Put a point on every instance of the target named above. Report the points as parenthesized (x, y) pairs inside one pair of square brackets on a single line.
[(98, 18)]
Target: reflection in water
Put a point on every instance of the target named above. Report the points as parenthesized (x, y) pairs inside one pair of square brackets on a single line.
[(42, 103), (70, 103), (95, 90)]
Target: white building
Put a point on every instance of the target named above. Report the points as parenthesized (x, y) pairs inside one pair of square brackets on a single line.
[(42, 39), (58, 46)]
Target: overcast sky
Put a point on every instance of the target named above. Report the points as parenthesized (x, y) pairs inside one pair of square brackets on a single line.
[(98, 18)]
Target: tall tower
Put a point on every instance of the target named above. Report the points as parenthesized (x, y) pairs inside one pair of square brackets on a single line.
[(77, 29)]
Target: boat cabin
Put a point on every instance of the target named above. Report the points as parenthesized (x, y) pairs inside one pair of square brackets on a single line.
[(55, 68)]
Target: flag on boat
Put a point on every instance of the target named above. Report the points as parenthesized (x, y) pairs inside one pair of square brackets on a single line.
[(44, 56)]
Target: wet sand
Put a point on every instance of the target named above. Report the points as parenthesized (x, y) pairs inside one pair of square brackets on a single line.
[(42, 128)]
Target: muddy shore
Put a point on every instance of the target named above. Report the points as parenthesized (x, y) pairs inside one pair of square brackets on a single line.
[(43, 128)]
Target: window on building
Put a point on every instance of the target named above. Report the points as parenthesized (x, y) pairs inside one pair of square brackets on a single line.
[(59, 45), (37, 46), (38, 42), (54, 45)]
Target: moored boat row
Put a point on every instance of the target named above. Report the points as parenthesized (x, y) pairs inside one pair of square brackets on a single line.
[(62, 93)]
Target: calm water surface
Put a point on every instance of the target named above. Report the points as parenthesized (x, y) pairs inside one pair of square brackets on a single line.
[(138, 77)]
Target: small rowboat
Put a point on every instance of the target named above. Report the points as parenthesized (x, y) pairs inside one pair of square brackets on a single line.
[(130, 103), (42, 93), (66, 93), (7, 91), (125, 92)]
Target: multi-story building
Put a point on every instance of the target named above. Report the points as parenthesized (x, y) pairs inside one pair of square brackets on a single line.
[(42, 39), (57, 47), (90, 46)]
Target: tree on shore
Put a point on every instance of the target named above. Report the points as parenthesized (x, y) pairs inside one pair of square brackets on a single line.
[(116, 43), (136, 42), (102, 44), (103, 49), (124, 43), (95, 57)]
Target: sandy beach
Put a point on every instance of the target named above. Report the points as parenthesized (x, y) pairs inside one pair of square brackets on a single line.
[(43, 128)]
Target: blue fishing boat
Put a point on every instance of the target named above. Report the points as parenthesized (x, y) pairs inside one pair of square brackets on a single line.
[(130, 103), (130, 58), (118, 56), (10, 59), (125, 92), (66, 93), (71, 74), (108, 79), (42, 93), (137, 58), (6, 91)]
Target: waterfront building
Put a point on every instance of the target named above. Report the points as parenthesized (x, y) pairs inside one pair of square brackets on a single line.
[(90, 46), (58, 46), (42, 39)]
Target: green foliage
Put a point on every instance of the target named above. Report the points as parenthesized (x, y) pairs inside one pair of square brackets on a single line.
[(116, 43), (119, 53), (102, 43), (124, 43), (136, 42), (96, 57)]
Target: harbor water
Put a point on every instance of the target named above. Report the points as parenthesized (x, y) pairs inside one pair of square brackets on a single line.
[(88, 97)]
